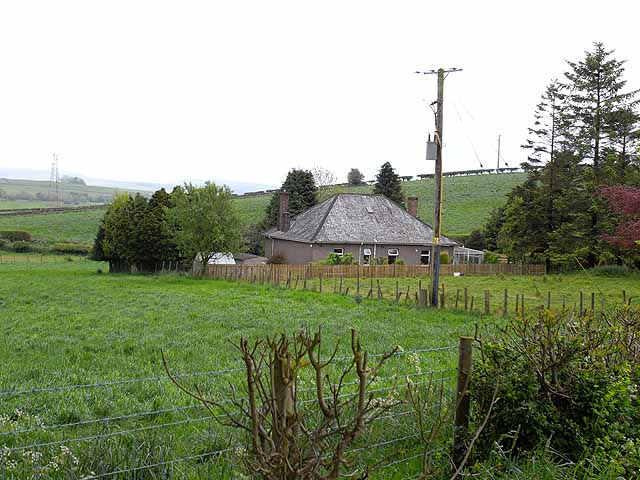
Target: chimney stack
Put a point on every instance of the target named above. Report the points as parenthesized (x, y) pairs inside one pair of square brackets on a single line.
[(283, 216), (412, 206)]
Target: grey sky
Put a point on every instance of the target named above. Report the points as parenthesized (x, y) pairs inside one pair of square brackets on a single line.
[(163, 91)]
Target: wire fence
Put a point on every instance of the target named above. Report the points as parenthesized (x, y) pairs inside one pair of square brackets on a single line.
[(146, 428)]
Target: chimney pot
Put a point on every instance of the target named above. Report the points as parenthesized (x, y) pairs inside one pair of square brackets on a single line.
[(412, 206)]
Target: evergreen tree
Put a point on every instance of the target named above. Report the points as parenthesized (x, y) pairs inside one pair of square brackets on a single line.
[(548, 134), (596, 100), (303, 194), (595, 85), (355, 177), (475, 240), (388, 183), (492, 228)]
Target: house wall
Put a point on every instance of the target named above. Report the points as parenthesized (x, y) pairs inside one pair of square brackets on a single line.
[(301, 253)]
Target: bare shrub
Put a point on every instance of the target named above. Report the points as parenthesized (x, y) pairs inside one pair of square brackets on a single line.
[(290, 438)]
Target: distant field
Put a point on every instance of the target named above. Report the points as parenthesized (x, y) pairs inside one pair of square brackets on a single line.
[(467, 204), (57, 227), (34, 194)]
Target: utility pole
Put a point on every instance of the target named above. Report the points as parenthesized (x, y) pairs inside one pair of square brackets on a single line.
[(437, 219), (498, 168)]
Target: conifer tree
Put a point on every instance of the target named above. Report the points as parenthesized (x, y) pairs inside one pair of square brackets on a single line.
[(355, 177), (388, 183), (303, 194), (548, 134)]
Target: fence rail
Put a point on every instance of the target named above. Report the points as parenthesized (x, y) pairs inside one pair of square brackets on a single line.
[(285, 271)]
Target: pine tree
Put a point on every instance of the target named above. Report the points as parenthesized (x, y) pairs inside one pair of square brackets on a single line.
[(303, 194), (595, 87), (388, 183), (548, 134), (596, 100)]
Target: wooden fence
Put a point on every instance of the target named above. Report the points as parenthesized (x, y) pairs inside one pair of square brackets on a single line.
[(282, 272)]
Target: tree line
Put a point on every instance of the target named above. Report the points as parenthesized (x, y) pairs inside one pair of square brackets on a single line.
[(583, 173)]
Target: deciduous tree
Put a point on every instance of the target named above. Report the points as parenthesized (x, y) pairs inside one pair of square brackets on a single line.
[(205, 222)]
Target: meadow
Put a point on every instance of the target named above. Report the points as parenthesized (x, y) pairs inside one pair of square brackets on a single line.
[(65, 324)]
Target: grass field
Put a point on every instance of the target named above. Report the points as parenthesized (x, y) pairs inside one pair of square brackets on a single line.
[(65, 324), (564, 289), (57, 227), (12, 186)]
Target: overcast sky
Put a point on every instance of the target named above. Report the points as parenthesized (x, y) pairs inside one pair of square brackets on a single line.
[(164, 91)]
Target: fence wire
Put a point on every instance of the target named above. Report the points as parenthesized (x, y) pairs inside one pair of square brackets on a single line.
[(18, 442)]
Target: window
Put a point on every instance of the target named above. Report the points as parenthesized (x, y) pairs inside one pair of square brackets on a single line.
[(425, 256), (366, 256), (392, 255), (338, 251)]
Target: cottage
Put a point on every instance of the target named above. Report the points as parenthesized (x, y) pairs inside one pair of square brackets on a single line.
[(369, 227)]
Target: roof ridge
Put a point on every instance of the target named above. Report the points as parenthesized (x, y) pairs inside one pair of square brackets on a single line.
[(324, 217)]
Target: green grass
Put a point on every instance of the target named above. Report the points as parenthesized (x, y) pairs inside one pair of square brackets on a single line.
[(57, 227), (565, 290), (65, 324), (22, 204), (12, 186)]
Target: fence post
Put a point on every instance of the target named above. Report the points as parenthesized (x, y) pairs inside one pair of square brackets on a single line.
[(457, 297), (466, 299), (422, 298), (487, 303), (548, 300), (505, 306), (463, 402), (581, 304)]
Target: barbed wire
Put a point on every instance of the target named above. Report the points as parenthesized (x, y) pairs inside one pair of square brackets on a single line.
[(212, 373), (171, 424), (197, 406)]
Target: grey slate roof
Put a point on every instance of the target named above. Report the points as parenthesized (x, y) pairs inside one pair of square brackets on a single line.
[(358, 218)]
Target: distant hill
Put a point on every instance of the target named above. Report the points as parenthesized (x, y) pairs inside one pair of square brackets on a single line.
[(16, 193), (468, 200), (135, 186)]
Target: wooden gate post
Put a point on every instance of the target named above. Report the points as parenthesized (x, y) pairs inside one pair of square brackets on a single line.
[(463, 401)]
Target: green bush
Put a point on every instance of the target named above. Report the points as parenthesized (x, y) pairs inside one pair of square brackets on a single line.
[(611, 271), (400, 261), (444, 258), (336, 259), (490, 257), (15, 235), (72, 248), (567, 382), (4, 244)]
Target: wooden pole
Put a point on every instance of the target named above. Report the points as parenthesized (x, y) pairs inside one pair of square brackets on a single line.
[(505, 304), (548, 300), (581, 304), (463, 401), (457, 297), (466, 299), (487, 304)]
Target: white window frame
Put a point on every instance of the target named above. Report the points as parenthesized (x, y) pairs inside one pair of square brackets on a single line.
[(391, 254), (340, 252)]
